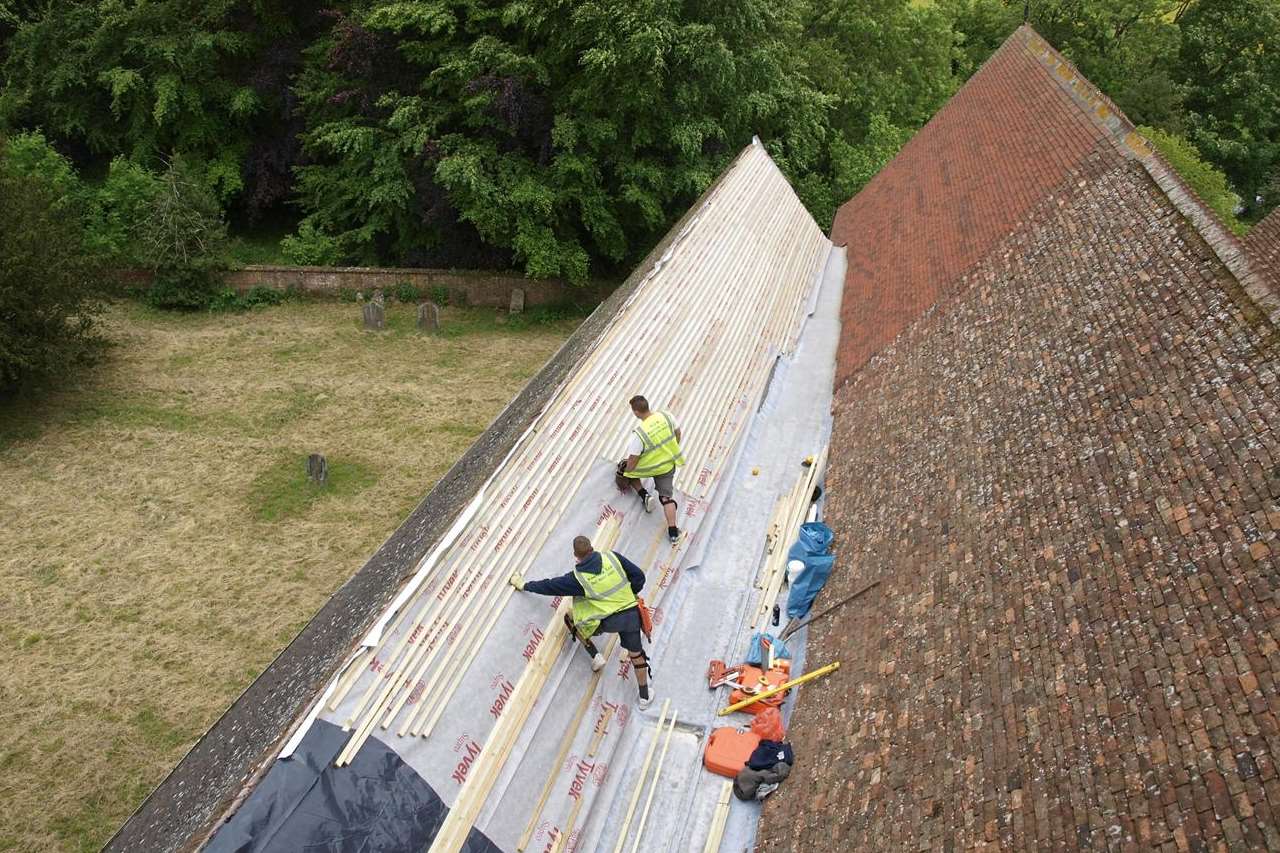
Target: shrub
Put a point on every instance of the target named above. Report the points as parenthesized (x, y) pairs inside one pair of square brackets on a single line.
[(1209, 183), (311, 248), (407, 292), (120, 207), (48, 281), (228, 299), (113, 213), (31, 155), (183, 289), (260, 296), (184, 241), (439, 294)]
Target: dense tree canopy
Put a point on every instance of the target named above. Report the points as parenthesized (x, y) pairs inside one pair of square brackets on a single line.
[(563, 137), (551, 131), (48, 300)]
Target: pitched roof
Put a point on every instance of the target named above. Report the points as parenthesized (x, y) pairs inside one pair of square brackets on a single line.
[(1052, 448), (1021, 125)]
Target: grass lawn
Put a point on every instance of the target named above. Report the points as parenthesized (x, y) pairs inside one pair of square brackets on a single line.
[(161, 544)]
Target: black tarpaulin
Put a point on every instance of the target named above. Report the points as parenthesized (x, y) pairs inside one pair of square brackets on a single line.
[(304, 803)]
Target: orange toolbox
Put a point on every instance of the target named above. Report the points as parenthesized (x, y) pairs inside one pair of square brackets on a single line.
[(728, 750)]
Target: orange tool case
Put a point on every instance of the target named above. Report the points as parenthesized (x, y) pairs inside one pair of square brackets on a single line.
[(728, 750)]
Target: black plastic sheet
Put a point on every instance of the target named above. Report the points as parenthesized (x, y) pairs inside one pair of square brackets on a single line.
[(377, 803)]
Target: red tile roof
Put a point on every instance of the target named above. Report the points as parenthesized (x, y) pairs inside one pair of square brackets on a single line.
[(961, 184), (1061, 468)]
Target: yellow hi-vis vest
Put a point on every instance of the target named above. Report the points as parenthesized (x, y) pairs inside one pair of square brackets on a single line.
[(662, 451), (607, 592)]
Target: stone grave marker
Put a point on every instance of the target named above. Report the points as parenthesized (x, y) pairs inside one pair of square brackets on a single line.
[(429, 318), (517, 300), (375, 316), (317, 469)]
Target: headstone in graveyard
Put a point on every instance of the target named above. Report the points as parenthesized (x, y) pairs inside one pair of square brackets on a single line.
[(317, 469), (517, 301), (375, 316), (429, 318)]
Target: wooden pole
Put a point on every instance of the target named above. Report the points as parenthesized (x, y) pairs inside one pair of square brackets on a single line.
[(657, 774), (718, 819), (644, 772), (601, 730)]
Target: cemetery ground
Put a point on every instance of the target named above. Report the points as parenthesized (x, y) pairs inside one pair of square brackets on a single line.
[(161, 543)]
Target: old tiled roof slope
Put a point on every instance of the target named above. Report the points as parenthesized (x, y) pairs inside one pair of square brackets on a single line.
[(1263, 243), (1063, 473), (967, 179), (963, 182)]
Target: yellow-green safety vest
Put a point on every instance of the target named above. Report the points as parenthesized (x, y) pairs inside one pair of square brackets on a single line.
[(607, 592), (662, 451)]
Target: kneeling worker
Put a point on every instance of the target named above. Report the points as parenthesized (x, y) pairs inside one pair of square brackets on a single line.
[(603, 585), (654, 451)]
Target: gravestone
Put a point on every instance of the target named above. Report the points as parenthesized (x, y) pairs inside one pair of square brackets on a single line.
[(429, 318), (517, 301), (375, 316), (378, 297), (317, 469)]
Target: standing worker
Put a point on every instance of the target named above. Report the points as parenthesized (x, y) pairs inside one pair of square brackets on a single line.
[(604, 586), (654, 452)]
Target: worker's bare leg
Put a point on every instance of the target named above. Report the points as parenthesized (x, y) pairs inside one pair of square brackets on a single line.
[(664, 485)]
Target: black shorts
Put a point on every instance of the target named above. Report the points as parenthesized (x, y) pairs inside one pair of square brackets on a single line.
[(626, 624)]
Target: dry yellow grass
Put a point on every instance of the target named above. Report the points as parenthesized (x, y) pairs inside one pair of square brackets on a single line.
[(143, 588)]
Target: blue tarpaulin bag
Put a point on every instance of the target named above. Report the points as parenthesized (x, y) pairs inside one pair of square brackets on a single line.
[(755, 653), (812, 549)]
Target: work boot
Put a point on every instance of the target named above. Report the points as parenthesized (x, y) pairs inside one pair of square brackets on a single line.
[(645, 699), (673, 534), (597, 662), (646, 500)]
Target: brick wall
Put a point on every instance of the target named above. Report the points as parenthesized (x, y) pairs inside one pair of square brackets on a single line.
[(475, 288), (1065, 477)]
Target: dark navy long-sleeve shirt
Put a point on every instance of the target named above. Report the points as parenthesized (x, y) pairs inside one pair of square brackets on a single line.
[(591, 564)]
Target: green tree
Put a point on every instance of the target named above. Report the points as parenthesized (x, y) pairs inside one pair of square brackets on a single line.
[(147, 79), (183, 241), (1229, 64), (888, 65), (112, 211), (48, 281), (978, 27), (543, 134)]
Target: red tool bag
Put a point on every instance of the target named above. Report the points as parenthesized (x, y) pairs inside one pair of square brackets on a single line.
[(646, 619)]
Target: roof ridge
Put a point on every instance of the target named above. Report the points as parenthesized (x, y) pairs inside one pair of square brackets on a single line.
[(1124, 135)]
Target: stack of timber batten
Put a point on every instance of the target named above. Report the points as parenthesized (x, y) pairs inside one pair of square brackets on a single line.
[(698, 337)]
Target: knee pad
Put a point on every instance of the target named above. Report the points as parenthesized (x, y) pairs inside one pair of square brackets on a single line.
[(666, 501), (639, 660)]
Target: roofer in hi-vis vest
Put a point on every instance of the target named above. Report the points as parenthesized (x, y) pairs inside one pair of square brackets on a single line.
[(604, 586), (654, 452)]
